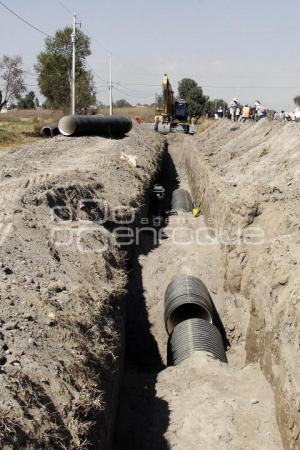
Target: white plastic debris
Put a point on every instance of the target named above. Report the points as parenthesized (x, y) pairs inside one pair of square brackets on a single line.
[(131, 159)]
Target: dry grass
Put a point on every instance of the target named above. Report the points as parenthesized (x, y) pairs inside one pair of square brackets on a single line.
[(205, 124), (23, 126), (42, 116), (146, 113), (16, 134), (8, 429), (19, 127)]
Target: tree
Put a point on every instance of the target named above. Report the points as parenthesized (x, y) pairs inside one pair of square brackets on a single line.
[(53, 69), (192, 93), (12, 74), (122, 103), (213, 105), (297, 100), (185, 86), (27, 102)]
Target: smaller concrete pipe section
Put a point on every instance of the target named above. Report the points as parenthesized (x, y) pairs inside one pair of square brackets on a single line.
[(50, 130), (181, 201), (195, 335), (186, 297), (106, 126)]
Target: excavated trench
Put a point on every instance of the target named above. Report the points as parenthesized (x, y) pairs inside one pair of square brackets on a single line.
[(143, 361), (202, 403)]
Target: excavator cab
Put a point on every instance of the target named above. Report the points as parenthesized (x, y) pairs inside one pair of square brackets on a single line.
[(181, 110)]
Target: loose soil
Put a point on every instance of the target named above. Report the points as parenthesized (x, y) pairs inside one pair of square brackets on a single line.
[(62, 285), (66, 288)]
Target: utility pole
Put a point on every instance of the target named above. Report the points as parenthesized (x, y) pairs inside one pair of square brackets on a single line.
[(110, 87), (73, 38)]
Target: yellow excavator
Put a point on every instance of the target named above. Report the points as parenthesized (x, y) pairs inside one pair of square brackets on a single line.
[(172, 115)]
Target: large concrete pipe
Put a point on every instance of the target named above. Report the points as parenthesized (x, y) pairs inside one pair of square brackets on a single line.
[(106, 126), (50, 130), (195, 335), (186, 297), (181, 201)]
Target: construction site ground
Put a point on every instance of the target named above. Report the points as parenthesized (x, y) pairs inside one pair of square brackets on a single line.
[(83, 346)]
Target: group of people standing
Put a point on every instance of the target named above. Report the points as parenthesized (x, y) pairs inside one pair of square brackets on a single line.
[(245, 113)]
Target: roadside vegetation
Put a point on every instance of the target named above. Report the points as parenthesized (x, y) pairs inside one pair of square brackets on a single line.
[(27, 114), (23, 126), (145, 113)]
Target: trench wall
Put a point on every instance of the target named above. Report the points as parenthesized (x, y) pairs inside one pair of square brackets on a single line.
[(255, 219), (62, 299)]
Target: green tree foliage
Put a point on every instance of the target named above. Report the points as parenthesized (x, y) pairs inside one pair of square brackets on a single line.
[(122, 103), (12, 76), (27, 102), (192, 93), (213, 105), (54, 71)]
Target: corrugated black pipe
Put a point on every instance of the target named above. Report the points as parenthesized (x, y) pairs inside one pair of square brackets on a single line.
[(181, 201), (106, 126), (50, 130), (186, 297), (195, 335)]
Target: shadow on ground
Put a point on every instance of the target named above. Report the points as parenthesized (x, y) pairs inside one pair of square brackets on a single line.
[(143, 417)]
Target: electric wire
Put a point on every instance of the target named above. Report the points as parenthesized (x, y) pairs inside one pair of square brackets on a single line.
[(143, 97), (64, 6), (24, 20)]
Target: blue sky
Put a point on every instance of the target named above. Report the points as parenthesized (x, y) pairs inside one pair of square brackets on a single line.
[(248, 49)]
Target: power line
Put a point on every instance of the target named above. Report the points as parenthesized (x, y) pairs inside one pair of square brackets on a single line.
[(249, 87), (139, 84), (24, 20), (143, 97), (135, 91), (96, 74), (64, 6), (97, 42)]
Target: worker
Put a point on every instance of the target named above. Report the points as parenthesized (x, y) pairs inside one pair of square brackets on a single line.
[(232, 108), (193, 124), (237, 113), (261, 111), (245, 113), (158, 196), (220, 112)]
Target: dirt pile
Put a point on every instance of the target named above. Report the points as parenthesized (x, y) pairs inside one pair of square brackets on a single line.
[(246, 179), (62, 283)]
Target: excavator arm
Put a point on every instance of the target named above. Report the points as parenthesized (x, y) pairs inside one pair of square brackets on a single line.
[(168, 97), (173, 113)]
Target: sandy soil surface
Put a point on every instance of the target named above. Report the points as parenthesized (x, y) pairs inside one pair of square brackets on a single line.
[(63, 282), (201, 403), (246, 178), (62, 285)]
